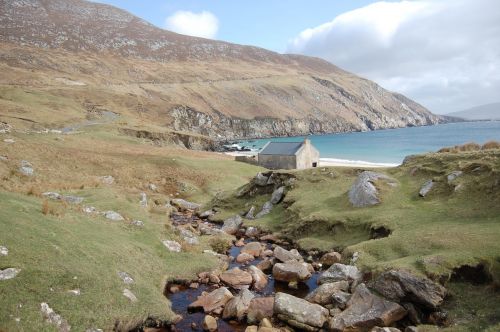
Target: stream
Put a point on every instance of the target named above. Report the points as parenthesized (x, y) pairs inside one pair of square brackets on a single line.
[(193, 320)]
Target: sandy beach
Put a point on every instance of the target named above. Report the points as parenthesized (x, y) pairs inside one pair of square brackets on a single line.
[(325, 162)]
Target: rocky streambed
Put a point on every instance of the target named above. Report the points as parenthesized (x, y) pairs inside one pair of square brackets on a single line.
[(265, 284)]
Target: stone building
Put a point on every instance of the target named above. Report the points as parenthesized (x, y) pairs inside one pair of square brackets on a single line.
[(289, 155)]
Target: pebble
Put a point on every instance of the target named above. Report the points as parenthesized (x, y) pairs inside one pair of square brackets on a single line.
[(126, 277)]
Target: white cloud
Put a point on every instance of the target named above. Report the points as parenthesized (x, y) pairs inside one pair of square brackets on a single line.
[(444, 54), (204, 24)]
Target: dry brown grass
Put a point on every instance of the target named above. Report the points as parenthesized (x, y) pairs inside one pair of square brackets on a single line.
[(491, 145)]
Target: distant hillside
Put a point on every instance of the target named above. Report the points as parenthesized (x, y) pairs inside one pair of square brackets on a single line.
[(482, 112), (61, 59)]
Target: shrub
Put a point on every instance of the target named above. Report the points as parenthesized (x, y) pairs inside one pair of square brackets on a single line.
[(491, 145), (45, 207), (470, 147), (220, 245)]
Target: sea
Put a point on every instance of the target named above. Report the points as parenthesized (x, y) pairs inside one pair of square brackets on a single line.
[(390, 146)]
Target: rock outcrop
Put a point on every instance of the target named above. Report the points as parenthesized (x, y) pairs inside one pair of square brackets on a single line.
[(366, 310), (363, 192)]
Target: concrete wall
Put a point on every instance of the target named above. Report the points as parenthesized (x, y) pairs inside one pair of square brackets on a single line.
[(307, 155), (277, 161), (248, 160)]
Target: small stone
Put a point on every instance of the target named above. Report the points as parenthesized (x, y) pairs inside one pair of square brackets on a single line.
[(4, 251), (107, 179), (232, 224), (251, 213), (9, 273), (172, 246), (112, 215), (293, 285), (126, 278), (152, 187), (453, 175), (75, 292), (194, 285), (244, 258), (209, 323), (53, 318), (129, 295), (206, 214), (89, 209), (277, 195), (144, 200), (72, 199), (330, 258), (9, 140), (184, 205), (137, 223), (52, 195), (26, 168), (266, 209), (252, 232), (266, 323), (426, 188)]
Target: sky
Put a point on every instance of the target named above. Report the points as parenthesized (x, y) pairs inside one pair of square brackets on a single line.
[(444, 54)]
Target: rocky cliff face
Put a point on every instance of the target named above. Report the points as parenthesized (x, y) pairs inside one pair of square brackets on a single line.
[(89, 52)]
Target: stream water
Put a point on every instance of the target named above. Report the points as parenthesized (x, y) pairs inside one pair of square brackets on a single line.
[(185, 296)]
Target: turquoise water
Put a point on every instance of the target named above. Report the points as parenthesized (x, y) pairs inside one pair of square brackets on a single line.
[(392, 145)]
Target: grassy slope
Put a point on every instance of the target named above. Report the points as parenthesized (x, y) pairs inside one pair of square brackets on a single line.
[(53, 249), (431, 235)]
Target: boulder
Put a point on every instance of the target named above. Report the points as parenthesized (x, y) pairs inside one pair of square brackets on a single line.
[(340, 272), (260, 308), (261, 180), (53, 318), (300, 313), (365, 311), (216, 299), (259, 279), (172, 246), (266, 209), (237, 307), (291, 271), (284, 255), (232, 224), (209, 324), (363, 192), (277, 195), (26, 168), (399, 285), (426, 188), (324, 293), (330, 258), (252, 232), (252, 248), (9, 273), (236, 278), (244, 258), (184, 205), (137, 223), (251, 213), (112, 215), (129, 295)]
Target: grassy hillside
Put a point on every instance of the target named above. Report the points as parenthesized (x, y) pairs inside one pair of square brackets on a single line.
[(59, 248)]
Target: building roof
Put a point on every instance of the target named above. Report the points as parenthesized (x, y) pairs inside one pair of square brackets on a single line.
[(281, 148)]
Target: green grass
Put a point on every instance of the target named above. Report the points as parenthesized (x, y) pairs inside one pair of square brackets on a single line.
[(56, 254)]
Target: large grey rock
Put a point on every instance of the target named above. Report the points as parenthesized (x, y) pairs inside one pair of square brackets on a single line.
[(324, 293), (183, 205), (284, 255), (365, 311), (232, 224), (340, 272), (26, 168), (214, 300), (112, 215), (300, 313), (266, 209), (237, 307), (400, 285), (426, 188), (9, 273), (291, 271), (172, 246), (53, 318), (277, 195), (261, 180), (363, 192)]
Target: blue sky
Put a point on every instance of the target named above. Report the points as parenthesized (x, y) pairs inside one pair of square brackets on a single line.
[(265, 23), (445, 54)]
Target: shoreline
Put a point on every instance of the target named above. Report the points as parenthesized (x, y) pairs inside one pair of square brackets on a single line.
[(326, 162)]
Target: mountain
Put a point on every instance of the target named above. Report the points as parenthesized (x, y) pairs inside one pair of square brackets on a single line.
[(482, 112), (64, 61)]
